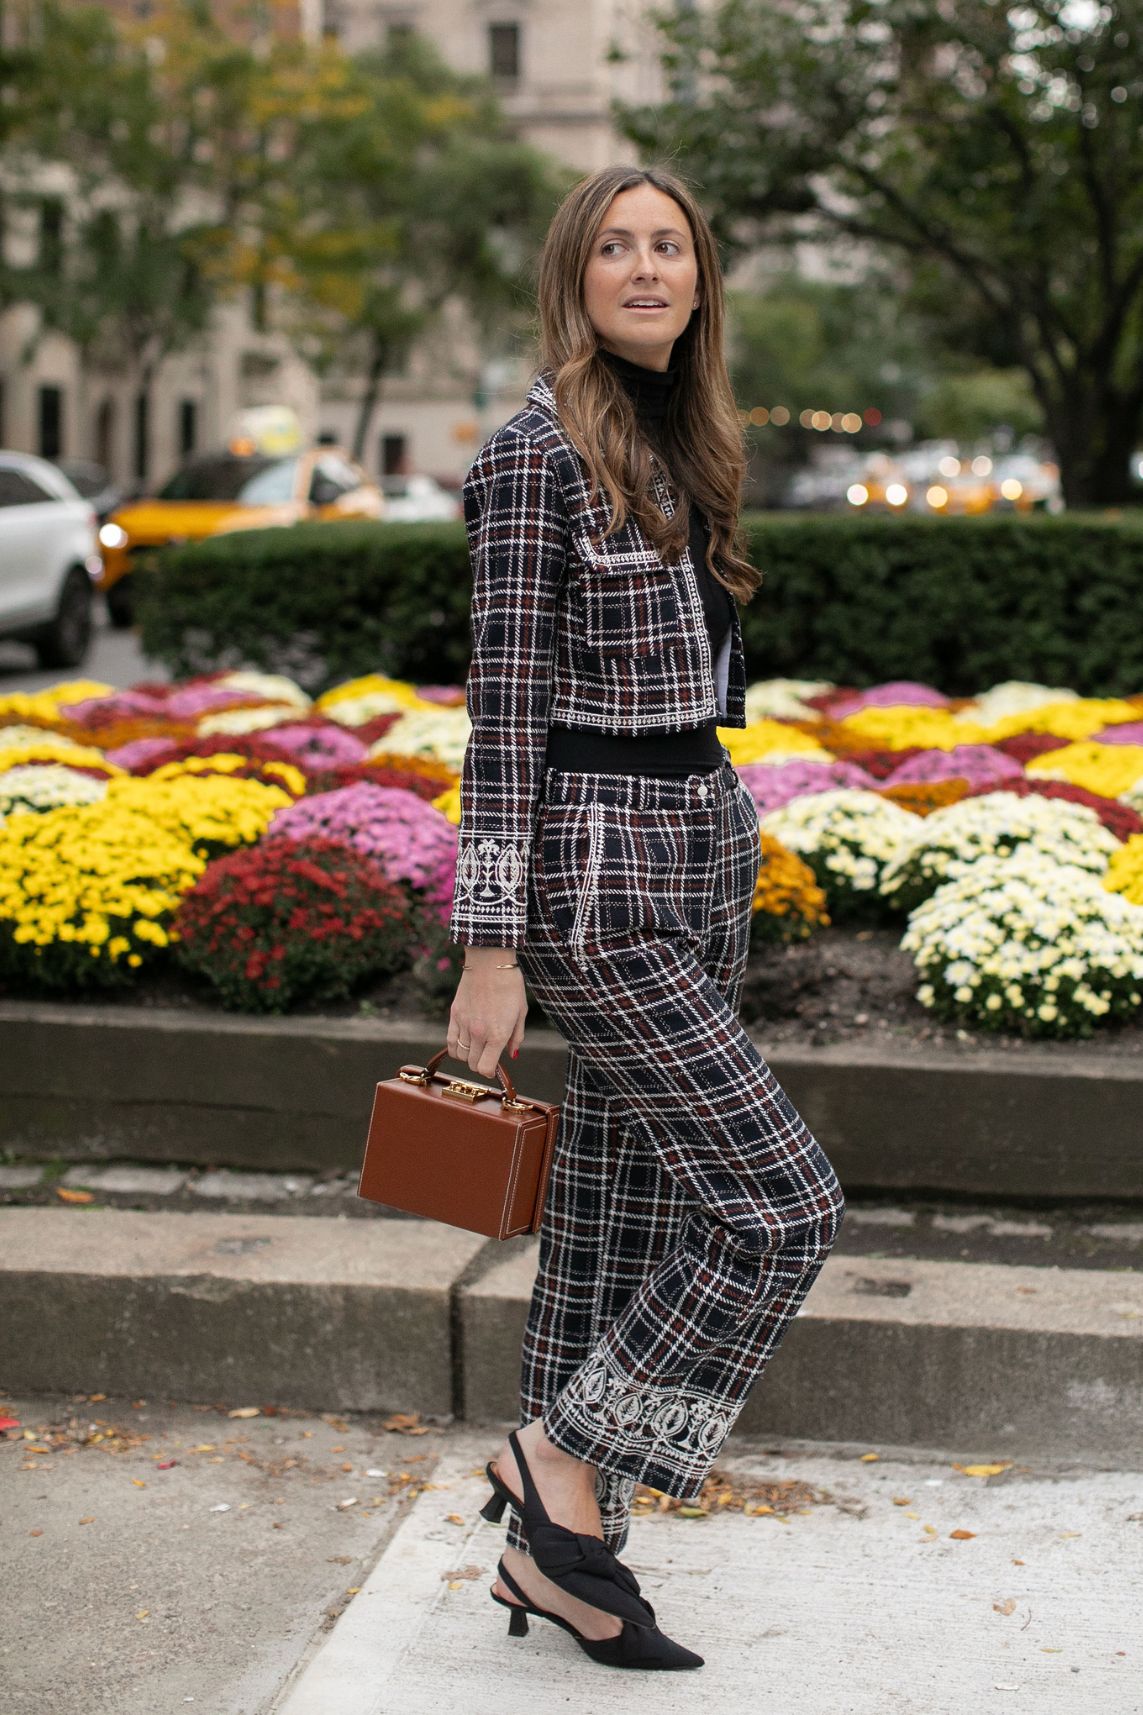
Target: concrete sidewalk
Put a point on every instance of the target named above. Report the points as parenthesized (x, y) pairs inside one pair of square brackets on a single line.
[(853, 1597)]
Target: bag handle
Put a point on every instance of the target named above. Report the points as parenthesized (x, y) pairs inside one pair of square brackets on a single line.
[(426, 1074)]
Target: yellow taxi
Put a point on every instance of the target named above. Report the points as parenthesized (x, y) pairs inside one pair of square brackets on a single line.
[(242, 487)]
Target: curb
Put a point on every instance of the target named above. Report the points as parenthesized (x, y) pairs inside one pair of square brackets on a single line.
[(321, 1313), (86, 1083)]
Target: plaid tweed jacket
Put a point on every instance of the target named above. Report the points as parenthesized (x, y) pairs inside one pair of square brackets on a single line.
[(565, 627)]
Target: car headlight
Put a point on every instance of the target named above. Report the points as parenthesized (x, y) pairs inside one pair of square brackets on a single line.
[(112, 535)]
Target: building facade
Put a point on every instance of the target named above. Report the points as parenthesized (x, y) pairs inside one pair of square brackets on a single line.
[(556, 66)]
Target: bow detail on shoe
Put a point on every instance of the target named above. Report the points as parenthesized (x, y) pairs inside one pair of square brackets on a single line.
[(572, 1558)]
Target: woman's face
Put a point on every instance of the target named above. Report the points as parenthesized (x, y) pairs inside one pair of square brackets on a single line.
[(643, 253)]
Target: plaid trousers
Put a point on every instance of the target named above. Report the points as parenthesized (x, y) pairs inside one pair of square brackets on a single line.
[(689, 1207)]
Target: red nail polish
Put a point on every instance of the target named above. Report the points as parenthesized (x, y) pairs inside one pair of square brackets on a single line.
[(515, 1053)]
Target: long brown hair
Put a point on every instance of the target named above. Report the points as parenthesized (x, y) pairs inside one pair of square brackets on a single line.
[(701, 439)]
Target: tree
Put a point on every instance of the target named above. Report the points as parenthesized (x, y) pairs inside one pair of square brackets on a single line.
[(995, 151), (406, 195)]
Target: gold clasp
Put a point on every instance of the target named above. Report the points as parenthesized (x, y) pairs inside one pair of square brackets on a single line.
[(414, 1077), (464, 1091)]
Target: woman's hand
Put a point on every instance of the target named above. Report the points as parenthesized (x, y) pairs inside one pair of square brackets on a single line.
[(489, 1010)]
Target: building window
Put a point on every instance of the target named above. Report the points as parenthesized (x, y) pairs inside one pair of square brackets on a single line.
[(105, 434), (51, 422), (504, 52), (394, 450), (51, 235), (188, 426), (142, 436)]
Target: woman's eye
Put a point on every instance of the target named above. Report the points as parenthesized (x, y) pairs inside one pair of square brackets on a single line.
[(614, 244)]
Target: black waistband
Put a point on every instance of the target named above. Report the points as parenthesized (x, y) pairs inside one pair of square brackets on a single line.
[(692, 750)]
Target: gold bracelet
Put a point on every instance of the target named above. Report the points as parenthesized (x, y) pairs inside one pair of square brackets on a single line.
[(512, 967)]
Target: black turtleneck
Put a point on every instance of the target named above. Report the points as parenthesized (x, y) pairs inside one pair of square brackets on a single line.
[(687, 750)]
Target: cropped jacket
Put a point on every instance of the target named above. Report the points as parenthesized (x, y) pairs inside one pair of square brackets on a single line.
[(565, 627)]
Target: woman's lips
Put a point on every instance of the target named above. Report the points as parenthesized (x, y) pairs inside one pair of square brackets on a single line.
[(646, 309)]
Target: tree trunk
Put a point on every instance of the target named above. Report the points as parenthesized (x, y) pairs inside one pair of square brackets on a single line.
[(369, 398), (1095, 431)]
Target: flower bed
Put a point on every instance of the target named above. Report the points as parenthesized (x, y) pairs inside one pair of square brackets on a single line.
[(134, 824)]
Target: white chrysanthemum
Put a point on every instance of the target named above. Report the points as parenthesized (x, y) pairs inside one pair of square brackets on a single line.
[(1052, 950), (771, 699), (954, 838), (441, 734), (46, 786), (247, 720), (1013, 697), (27, 737), (275, 687), (846, 835)]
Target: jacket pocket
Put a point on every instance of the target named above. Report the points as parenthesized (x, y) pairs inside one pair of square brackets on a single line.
[(629, 604)]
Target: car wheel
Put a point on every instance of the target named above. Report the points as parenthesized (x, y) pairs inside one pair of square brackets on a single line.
[(120, 601), (66, 640)]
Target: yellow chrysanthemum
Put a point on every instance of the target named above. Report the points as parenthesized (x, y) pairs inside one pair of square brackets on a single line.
[(766, 740), (50, 749), (901, 725), (1124, 873), (1077, 718), (1111, 769), (385, 696)]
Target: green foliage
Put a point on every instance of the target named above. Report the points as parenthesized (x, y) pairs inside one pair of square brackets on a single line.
[(960, 603), (994, 152), (321, 602)]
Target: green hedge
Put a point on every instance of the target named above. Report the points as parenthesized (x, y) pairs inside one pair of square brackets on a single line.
[(960, 603)]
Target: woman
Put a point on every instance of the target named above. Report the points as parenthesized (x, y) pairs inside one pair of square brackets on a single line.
[(608, 853)]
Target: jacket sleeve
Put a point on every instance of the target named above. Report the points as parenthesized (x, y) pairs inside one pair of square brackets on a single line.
[(517, 537)]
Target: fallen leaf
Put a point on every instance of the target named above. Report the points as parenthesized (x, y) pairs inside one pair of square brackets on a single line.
[(222, 1507), (339, 1559), (138, 1483), (204, 1447), (9, 1423), (929, 1529), (90, 1519), (346, 1466), (901, 1500), (693, 1512), (453, 1518), (454, 1584), (1051, 1649), (67, 1195), (754, 1511), (37, 1532), (962, 1535), (353, 1590), (866, 1457), (462, 1572), (351, 1502), (1069, 1533), (142, 1613), (1019, 1563), (1006, 1607), (166, 1464), (93, 1397), (405, 1423), (983, 1470), (245, 1411)]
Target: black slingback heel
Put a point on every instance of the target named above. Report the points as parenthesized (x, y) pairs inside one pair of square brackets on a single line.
[(634, 1646), (582, 1565)]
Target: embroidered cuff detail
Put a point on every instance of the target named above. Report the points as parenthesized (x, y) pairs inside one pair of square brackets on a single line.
[(490, 893)]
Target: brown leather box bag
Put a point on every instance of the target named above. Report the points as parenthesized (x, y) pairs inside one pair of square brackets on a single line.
[(467, 1154)]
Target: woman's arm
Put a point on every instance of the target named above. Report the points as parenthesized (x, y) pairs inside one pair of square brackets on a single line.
[(517, 536)]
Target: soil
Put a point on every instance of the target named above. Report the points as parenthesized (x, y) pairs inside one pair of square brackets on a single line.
[(843, 985)]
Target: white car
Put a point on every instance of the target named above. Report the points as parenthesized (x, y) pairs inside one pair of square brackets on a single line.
[(49, 560), (418, 500)]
